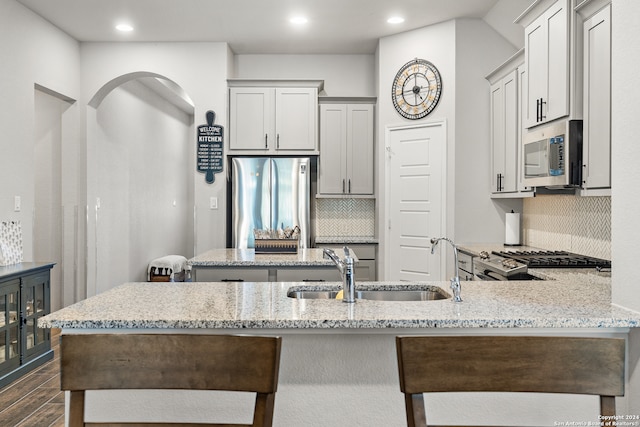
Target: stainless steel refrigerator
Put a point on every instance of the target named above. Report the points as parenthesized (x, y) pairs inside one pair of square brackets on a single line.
[(269, 193)]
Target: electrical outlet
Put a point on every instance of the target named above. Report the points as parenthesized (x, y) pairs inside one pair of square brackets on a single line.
[(213, 203), (17, 203)]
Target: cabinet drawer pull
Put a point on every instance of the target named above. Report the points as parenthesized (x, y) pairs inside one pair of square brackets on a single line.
[(266, 145)]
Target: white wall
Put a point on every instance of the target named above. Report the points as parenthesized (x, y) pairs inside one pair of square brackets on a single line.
[(32, 51), (459, 50), (343, 75), (437, 45), (478, 218), (625, 175), (501, 18), (48, 226), (143, 150), (200, 69)]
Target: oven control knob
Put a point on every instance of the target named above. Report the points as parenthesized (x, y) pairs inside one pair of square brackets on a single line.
[(484, 255), (509, 263)]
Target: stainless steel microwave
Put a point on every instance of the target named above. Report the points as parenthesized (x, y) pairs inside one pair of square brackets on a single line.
[(552, 155)]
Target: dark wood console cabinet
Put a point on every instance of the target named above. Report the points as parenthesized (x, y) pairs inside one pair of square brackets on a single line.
[(24, 298)]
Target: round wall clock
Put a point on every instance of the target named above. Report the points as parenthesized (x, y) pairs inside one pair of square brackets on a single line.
[(416, 89)]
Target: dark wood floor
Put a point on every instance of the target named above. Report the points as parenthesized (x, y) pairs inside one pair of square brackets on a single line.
[(35, 400)]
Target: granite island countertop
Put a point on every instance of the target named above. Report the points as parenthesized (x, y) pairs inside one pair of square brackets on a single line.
[(248, 258), (575, 299), (346, 240)]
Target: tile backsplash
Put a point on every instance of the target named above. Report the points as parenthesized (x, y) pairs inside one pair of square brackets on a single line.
[(345, 217), (571, 223)]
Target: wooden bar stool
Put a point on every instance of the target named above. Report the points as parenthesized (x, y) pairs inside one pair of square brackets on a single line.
[(592, 366), (170, 361)]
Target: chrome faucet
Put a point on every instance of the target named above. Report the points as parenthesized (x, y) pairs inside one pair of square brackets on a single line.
[(455, 281), (346, 270)]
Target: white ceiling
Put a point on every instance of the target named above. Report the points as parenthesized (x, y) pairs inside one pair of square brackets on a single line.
[(256, 26)]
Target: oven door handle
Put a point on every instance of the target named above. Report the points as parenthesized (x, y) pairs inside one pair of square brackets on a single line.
[(482, 276)]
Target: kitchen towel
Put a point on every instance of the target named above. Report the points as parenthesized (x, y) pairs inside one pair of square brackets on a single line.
[(512, 229), (10, 242)]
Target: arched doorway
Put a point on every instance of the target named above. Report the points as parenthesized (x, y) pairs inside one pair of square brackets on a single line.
[(139, 177)]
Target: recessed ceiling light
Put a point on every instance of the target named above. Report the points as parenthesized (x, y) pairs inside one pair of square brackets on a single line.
[(125, 28), (298, 20), (395, 20)]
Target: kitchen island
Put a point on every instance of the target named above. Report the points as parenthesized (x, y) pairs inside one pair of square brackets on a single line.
[(237, 263), (338, 363)]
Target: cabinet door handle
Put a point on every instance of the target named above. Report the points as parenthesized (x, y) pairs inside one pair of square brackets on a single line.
[(538, 109), (343, 183), (266, 145), (278, 141), (542, 116), (349, 185)]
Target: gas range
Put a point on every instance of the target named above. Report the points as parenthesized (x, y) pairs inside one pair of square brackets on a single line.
[(514, 264), (554, 259)]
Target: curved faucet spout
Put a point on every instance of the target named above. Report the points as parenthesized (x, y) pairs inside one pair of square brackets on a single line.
[(455, 281), (346, 268)]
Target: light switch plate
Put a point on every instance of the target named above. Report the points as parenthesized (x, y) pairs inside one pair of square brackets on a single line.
[(213, 203), (17, 203)]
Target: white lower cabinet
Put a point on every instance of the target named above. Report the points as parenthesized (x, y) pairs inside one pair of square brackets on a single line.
[(465, 265), (309, 275), (302, 274), (366, 267), (232, 275)]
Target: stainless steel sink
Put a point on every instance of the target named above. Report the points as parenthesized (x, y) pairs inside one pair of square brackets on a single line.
[(401, 295), (376, 295), (312, 294)]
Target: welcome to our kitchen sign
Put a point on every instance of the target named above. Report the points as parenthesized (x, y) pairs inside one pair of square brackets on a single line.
[(210, 148)]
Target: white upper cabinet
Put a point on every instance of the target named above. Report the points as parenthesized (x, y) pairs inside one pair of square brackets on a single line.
[(597, 96), (295, 117), (547, 56), (273, 120), (505, 94), (346, 149), (251, 118), (504, 143)]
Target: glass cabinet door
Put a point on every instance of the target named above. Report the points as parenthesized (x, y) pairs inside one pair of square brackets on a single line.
[(9, 326), (36, 304)]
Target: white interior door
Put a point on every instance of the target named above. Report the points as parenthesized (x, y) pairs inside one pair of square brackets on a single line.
[(415, 179)]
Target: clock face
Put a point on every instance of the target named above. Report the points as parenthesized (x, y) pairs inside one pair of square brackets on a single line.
[(416, 89)]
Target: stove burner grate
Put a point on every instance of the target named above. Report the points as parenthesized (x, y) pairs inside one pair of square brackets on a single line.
[(554, 259)]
